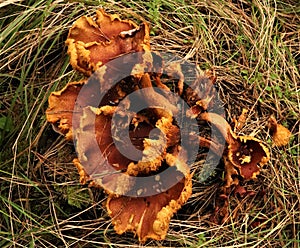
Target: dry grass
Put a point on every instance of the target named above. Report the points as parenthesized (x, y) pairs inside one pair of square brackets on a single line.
[(254, 48)]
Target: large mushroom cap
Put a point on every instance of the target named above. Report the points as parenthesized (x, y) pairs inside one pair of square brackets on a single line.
[(148, 217), (93, 43)]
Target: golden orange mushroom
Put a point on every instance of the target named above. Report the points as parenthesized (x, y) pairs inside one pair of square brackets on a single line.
[(280, 134), (148, 217), (92, 43), (144, 209), (61, 108), (246, 153)]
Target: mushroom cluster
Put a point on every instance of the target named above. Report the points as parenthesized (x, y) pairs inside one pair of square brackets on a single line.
[(140, 157)]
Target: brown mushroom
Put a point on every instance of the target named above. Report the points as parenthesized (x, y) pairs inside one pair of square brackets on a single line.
[(148, 217), (280, 134), (246, 153), (144, 209), (249, 155), (61, 108), (240, 122), (93, 43)]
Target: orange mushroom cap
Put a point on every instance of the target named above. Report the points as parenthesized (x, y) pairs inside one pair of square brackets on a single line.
[(246, 153), (93, 43), (61, 108), (148, 217)]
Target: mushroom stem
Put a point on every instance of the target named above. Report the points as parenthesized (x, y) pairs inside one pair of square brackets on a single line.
[(221, 124), (159, 84), (215, 147), (153, 98)]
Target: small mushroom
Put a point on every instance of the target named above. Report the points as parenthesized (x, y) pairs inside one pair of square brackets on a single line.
[(246, 153), (280, 134), (240, 122), (249, 155)]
